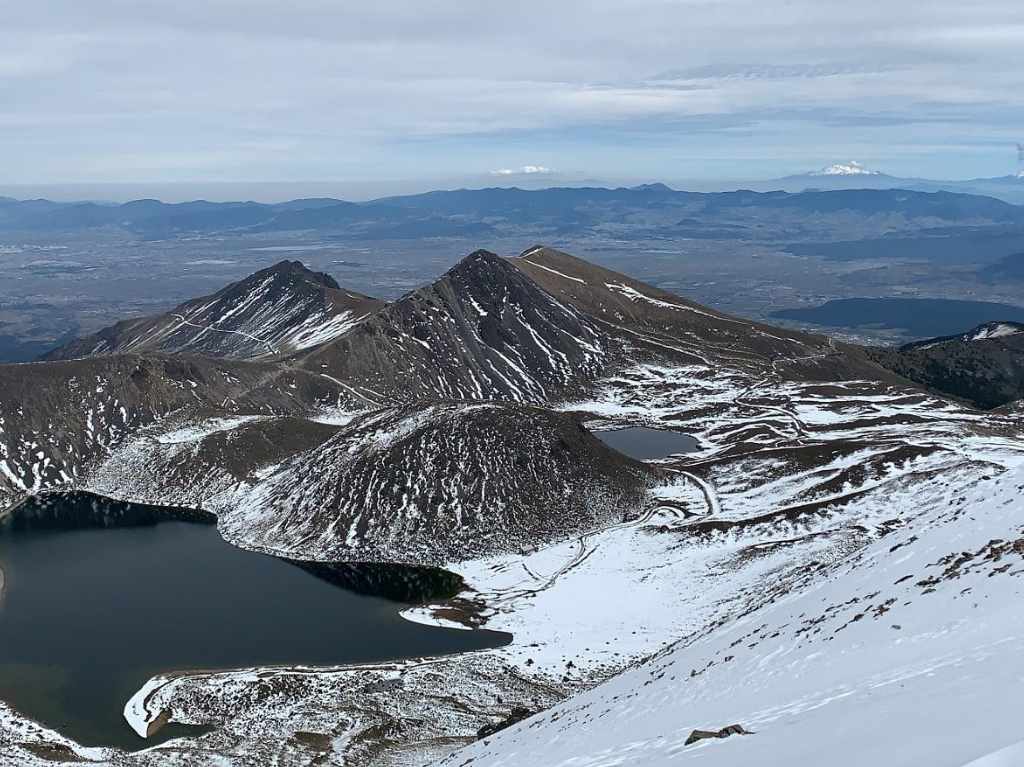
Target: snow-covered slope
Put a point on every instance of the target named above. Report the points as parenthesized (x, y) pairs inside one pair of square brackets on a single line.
[(278, 310), (907, 652), (796, 484), (995, 330), (984, 332)]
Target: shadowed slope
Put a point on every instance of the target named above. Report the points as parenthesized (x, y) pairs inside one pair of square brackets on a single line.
[(484, 330), (984, 366)]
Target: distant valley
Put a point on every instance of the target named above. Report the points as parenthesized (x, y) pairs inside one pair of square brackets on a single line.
[(73, 269)]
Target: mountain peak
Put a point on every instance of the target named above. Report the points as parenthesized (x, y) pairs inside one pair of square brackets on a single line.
[(851, 168), (281, 309), (298, 269), (287, 265), (484, 330), (478, 263), (480, 254), (489, 280), (655, 187)]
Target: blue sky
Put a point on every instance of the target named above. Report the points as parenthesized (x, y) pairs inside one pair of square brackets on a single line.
[(396, 95)]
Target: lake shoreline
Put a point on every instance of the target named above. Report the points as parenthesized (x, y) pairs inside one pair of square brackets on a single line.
[(503, 674), (277, 614)]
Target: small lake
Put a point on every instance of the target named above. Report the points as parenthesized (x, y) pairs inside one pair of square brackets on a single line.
[(99, 596), (645, 444)]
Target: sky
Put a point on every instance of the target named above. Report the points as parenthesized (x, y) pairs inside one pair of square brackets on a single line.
[(362, 98)]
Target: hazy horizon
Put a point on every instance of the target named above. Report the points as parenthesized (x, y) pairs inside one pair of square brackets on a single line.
[(282, 191), (279, 191)]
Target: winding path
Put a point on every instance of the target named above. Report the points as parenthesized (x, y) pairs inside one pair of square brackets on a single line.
[(273, 349)]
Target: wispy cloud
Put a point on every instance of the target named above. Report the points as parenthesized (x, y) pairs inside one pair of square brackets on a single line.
[(525, 170)]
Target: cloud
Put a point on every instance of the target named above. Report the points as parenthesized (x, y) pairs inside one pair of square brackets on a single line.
[(237, 90), (525, 170)]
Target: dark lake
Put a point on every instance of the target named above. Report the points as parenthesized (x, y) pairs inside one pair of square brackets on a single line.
[(916, 317), (99, 596), (645, 444)]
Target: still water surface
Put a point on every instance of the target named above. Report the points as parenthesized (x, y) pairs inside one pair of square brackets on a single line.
[(645, 444), (99, 596)]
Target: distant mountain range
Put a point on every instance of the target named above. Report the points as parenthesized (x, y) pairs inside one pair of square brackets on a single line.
[(649, 210)]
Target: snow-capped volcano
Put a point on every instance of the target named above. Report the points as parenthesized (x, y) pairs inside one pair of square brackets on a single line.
[(851, 168)]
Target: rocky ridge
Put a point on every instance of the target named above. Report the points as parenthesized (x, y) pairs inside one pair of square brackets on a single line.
[(484, 330), (279, 310)]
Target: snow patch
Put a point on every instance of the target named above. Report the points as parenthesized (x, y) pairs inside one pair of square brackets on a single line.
[(198, 431), (851, 168), (996, 330)]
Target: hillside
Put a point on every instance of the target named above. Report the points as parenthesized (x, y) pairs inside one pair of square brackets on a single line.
[(984, 366), (278, 310), (430, 484), (482, 331), (656, 323), (627, 304), (1009, 267)]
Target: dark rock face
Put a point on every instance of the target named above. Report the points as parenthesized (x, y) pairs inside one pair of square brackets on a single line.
[(725, 732), (275, 311), (984, 366), (57, 418), (484, 330), (515, 716)]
